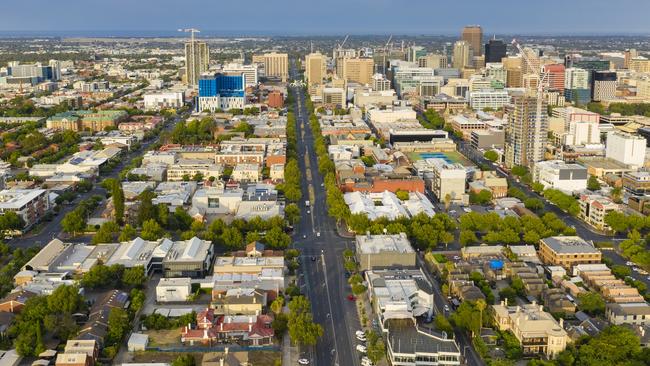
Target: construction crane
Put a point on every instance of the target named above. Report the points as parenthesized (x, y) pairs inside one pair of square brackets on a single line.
[(542, 79), (192, 31), (385, 51)]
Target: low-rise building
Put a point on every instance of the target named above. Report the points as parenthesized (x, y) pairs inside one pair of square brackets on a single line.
[(537, 331), (29, 204), (247, 173), (384, 251), (173, 289), (637, 183), (628, 313), (407, 345), (241, 301), (568, 251), (189, 258), (557, 174), (400, 294), (189, 169), (594, 208)]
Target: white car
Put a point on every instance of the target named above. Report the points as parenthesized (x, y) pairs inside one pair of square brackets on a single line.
[(365, 361), (361, 338), (360, 333), (318, 234), (303, 361), (628, 263), (361, 348)]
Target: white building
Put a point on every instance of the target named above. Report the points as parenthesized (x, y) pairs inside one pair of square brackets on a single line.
[(626, 148), (162, 100), (576, 78), (29, 204), (488, 98), (391, 115), (559, 175), (447, 179), (220, 103), (400, 294), (250, 72), (173, 289), (191, 167), (247, 172)]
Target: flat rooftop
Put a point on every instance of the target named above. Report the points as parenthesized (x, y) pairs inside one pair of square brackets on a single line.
[(569, 245), (374, 244)]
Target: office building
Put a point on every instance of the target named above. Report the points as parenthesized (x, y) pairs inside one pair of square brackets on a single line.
[(56, 69), (448, 179), (250, 72), (358, 70), (462, 55), (222, 92), (384, 251), (488, 98), (334, 97), (315, 68), (197, 58), (189, 258), (556, 75), (399, 293), (537, 331), (276, 65), (580, 126), (604, 85), (525, 138), (433, 60), (473, 35), (557, 174), (637, 183), (380, 83), (163, 100), (626, 148), (495, 50), (640, 64), (568, 251), (629, 55), (496, 72)]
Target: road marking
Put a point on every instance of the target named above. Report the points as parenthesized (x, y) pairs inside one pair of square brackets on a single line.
[(329, 302)]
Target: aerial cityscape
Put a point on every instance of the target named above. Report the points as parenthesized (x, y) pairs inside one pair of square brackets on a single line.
[(392, 186)]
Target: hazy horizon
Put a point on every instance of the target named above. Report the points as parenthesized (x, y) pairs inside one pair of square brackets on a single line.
[(334, 17)]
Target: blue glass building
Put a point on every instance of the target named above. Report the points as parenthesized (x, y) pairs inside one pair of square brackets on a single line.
[(227, 86)]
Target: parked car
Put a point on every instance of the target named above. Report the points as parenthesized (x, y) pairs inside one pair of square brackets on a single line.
[(352, 297), (362, 348), (303, 361)]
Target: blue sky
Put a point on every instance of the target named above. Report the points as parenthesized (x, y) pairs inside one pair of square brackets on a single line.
[(331, 16)]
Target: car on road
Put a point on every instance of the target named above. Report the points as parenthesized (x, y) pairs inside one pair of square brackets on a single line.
[(362, 348), (313, 258), (303, 361), (318, 233), (365, 361), (352, 297), (361, 338), (628, 263), (447, 308), (347, 274), (467, 209)]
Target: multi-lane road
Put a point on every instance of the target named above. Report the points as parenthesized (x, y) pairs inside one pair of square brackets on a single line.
[(322, 276)]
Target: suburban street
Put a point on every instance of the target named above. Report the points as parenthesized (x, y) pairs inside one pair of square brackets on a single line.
[(52, 229), (322, 274)]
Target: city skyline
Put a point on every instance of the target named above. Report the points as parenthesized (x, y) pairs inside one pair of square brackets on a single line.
[(330, 18)]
